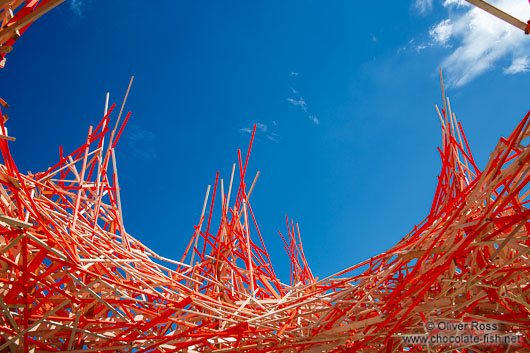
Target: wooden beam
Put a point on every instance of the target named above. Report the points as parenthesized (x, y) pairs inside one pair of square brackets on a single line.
[(4, 3), (9, 138), (500, 14), (14, 222), (6, 33)]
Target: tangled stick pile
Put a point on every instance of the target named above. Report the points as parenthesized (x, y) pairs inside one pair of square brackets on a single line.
[(16, 16), (73, 280)]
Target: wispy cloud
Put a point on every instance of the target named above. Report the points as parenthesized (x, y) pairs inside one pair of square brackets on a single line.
[(263, 130), (273, 137), (423, 6), (77, 6), (259, 127), (518, 65), (314, 119), (299, 103), (480, 41), (441, 32), (141, 142), (456, 3)]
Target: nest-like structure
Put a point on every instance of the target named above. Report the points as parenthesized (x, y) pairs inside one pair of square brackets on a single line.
[(73, 280)]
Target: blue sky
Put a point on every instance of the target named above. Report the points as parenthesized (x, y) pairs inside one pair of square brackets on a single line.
[(343, 94)]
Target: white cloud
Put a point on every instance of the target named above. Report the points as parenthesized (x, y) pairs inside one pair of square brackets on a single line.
[(314, 119), (293, 90), (442, 32), (245, 130), (518, 65), (482, 41), (298, 103), (261, 126), (294, 74), (456, 3), (423, 6)]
